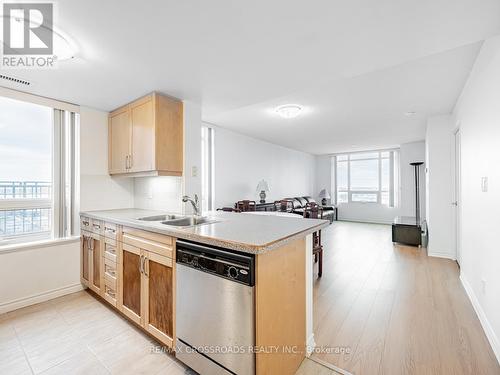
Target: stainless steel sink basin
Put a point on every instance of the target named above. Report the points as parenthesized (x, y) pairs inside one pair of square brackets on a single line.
[(189, 221), (160, 217)]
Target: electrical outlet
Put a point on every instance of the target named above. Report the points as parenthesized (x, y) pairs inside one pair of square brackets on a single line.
[(484, 184), (194, 171), (483, 286)]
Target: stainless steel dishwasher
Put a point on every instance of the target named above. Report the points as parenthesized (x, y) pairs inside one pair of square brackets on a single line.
[(215, 312)]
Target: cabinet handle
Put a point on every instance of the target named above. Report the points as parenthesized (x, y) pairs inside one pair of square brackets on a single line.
[(85, 222), (96, 226), (110, 230), (126, 162), (141, 264), (146, 266)]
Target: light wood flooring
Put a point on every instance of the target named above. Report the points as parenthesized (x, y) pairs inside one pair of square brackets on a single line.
[(394, 310)]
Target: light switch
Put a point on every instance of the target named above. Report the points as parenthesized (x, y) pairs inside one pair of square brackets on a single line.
[(194, 171), (484, 184)]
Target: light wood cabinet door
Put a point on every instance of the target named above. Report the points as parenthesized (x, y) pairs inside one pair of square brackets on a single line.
[(96, 274), (120, 133), (146, 137), (159, 297), (143, 135), (85, 254), (131, 282)]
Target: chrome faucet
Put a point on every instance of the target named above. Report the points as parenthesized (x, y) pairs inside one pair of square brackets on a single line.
[(194, 203)]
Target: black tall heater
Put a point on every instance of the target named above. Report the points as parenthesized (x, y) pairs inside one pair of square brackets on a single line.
[(406, 229)]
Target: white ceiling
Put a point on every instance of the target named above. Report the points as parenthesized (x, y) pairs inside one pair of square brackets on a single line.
[(356, 65)]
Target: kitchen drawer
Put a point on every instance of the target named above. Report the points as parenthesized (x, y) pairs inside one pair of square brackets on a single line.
[(138, 239), (110, 281), (97, 226), (110, 250), (110, 295), (110, 268), (151, 236), (85, 223), (110, 230)]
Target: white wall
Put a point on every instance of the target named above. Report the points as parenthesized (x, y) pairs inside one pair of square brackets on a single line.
[(98, 190), (324, 176), (192, 152), (411, 152), (378, 213), (39, 273), (439, 190), (165, 193), (159, 193), (241, 162), (478, 116)]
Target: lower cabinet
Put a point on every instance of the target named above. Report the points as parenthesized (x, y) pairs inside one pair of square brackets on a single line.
[(131, 288), (134, 271), (92, 275), (147, 291), (158, 297)]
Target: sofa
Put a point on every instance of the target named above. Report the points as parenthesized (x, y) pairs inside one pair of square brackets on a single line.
[(299, 203)]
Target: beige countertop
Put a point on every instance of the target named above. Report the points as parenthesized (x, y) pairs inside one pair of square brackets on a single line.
[(237, 231)]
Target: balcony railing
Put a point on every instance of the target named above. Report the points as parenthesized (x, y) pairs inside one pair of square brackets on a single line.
[(25, 208), (25, 190)]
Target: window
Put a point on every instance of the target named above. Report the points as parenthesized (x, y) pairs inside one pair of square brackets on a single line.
[(35, 171), (207, 168), (367, 177)]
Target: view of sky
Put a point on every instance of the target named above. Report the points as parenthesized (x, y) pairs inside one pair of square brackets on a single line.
[(25, 141)]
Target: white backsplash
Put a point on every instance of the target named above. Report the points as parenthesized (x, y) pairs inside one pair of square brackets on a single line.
[(158, 193)]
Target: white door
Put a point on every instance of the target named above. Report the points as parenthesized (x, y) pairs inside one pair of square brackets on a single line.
[(457, 194)]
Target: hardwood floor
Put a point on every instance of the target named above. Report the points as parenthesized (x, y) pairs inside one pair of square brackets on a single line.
[(393, 310)]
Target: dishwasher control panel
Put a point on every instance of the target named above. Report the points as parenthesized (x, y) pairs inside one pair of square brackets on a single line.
[(219, 262)]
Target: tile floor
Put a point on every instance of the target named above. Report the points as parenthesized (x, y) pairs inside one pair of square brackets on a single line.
[(77, 334)]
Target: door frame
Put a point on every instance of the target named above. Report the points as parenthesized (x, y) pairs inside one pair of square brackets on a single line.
[(457, 192)]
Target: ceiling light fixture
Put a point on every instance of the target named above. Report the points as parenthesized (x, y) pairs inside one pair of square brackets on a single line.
[(410, 113), (289, 110), (63, 47)]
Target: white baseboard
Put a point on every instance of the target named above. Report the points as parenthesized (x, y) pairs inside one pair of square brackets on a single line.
[(488, 330), (366, 221), (38, 298), (311, 344), (440, 255)]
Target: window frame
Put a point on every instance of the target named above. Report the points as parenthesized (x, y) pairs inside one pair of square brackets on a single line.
[(207, 167), (63, 200), (393, 158)]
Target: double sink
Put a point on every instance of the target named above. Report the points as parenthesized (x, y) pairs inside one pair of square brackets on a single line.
[(178, 220)]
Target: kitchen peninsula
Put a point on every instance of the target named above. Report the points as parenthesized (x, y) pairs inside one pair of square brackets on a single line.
[(145, 264)]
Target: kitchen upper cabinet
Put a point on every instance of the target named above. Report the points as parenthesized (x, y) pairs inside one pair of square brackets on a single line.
[(120, 131), (146, 137)]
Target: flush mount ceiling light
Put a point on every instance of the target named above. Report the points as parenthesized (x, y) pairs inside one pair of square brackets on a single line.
[(63, 47), (410, 113), (289, 110)]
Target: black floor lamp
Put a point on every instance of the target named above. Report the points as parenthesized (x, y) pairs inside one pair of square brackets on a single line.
[(408, 230), (416, 166)]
